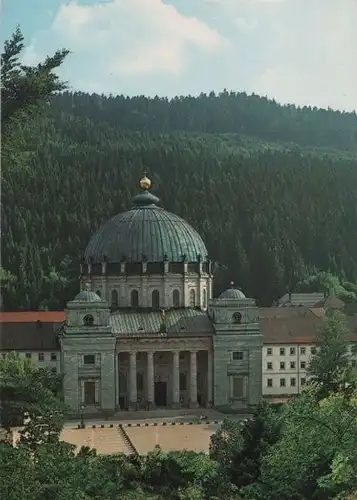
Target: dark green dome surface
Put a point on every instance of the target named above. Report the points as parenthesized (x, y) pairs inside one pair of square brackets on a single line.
[(146, 232)]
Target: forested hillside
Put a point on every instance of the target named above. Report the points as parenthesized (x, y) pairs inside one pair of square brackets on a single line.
[(270, 212), (224, 113)]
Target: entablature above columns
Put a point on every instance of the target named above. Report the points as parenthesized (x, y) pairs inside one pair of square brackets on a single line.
[(152, 345)]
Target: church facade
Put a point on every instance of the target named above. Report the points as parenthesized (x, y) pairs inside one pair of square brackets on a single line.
[(145, 331)]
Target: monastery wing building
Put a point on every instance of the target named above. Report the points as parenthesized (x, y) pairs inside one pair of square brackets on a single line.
[(145, 331)]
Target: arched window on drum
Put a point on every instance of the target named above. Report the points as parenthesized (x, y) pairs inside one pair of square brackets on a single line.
[(176, 298), (134, 299), (114, 299), (155, 299), (204, 298), (192, 298)]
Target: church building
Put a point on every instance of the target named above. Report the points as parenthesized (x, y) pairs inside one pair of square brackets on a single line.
[(145, 331)]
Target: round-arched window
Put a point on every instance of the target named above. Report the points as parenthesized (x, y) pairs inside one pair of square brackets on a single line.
[(114, 299), (134, 298), (176, 298), (237, 317), (192, 298), (204, 297), (155, 299), (88, 320)]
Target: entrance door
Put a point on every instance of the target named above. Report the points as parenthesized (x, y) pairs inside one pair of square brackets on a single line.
[(160, 393), (89, 392)]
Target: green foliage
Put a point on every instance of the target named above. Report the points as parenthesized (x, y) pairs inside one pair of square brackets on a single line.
[(239, 447), (326, 282), (330, 367), (315, 457), (226, 113), (24, 389), (24, 91), (24, 88)]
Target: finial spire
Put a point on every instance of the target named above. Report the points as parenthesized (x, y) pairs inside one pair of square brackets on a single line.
[(231, 284), (145, 182)]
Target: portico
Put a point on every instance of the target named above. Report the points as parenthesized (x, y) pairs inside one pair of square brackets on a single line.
[(174, 374)]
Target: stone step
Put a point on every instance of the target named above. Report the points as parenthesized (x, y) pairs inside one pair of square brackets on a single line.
[(104, 440)]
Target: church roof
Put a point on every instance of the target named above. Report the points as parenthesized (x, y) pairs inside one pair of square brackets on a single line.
[(37, 330), (35, 335), (32, 317), (301, 299), (146, 232), (181, 322)]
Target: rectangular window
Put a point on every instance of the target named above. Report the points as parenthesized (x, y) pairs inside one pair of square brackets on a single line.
[(282, 351), (28, 355), (41, 356), (89, 393), (238, 387), (313, 350), (293, 381), (292, 351), (89, 359), (183, 382), (302, 351), (282, 365), (269, 382), (303, 381), (53, 356), (238, 356), (303, 365), (269, 365), (292, 365), (269, 351), (354, 349), (282, 382), (54, 369)]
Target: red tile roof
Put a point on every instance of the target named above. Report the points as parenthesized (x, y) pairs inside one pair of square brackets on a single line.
[(32, 317)]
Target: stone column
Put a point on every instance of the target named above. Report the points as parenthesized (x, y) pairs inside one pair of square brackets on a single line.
[(133, 397), (150, 380), (209, 379), (176, 379), (193, 379)]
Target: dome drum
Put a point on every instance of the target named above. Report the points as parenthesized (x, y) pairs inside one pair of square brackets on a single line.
[(143, 267)]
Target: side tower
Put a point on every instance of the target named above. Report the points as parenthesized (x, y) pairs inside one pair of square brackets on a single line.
[(88, 355), (237, 348)]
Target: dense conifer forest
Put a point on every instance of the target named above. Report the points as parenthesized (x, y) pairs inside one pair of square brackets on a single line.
[(272, 189)]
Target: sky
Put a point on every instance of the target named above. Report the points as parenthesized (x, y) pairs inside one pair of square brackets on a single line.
[(295, 51)]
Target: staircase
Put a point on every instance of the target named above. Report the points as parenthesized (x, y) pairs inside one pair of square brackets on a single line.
[(127, 440)]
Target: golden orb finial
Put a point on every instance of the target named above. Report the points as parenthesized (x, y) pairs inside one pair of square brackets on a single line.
[(145, 182)]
